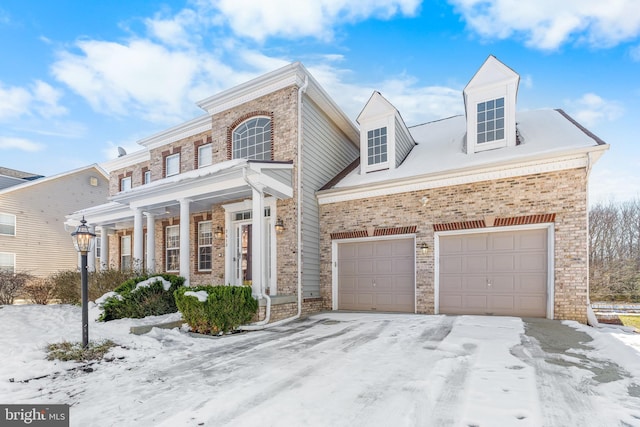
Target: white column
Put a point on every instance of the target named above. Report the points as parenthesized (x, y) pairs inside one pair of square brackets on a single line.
[(138, 236), (104, 248), (91, 255), (185, 265), (151, 242), (257, 253)]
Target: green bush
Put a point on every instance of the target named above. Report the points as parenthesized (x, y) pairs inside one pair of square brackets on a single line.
[(67, 284), (151, 300), (226, 308)]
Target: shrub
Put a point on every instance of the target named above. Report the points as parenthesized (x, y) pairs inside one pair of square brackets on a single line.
[(11, 285), (40, 290), (67, 351), (225, 307), (152, 298), (66, 286), (103, 281)]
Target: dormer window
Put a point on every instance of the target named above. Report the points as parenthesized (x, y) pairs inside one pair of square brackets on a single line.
[(252, 139), (377, 146), (490, 120)]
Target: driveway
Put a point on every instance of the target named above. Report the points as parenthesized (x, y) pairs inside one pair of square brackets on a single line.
[(356, 369)]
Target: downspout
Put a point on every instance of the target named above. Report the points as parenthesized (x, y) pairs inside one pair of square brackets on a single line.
[(263, 324), (592, 320)]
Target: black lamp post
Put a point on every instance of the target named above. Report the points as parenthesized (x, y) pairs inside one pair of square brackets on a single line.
[(83, 241)]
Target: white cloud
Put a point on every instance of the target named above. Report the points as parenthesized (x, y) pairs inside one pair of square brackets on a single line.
[(14, 102), (46, 99), (591, 109), (548, 24), (10, 143), (284, 18), (141, 76)]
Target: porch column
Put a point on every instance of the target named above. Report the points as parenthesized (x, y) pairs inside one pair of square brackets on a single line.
[(257, 231), (91, 255), (104, 248), (138, 252), (185, 264), (151, 242)]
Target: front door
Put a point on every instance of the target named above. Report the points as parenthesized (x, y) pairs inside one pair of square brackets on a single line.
[(242, 253)]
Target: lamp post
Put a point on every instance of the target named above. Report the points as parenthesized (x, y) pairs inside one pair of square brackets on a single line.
[(83, 240)]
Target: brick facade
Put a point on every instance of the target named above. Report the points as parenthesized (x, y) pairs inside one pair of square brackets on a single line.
[(563, 193)]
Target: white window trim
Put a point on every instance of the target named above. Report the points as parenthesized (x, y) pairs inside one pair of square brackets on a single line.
[(500, 91), (201, 164), (167, 248), (13, 255), (387, 121), (166, 166), (202, 246), (122, 183), (233, 133), (14, 224), (146, 177)]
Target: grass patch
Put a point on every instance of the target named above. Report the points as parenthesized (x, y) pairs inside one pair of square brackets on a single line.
[(633, 321), (73, 351)]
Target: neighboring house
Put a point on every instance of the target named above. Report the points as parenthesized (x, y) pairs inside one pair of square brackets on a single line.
[(276, 188), (478, 214), (33, 237), (11, 177)]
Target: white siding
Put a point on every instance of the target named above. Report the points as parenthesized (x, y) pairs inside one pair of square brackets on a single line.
[(326, 152), (41, 244), (404, 142)]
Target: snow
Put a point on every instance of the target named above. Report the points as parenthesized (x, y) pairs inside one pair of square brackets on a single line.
[(441, 149), (146, 283), (335, 368), (201, 295)]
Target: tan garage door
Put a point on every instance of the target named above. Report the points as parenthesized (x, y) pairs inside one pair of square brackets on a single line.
[(377, 275), (503, 273)]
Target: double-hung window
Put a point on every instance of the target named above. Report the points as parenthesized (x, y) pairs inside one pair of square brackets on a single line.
[(125, 183), (490, 120), (7, 262), (205, 245), (7, 224), (125, 253), (205, 155), (252, 139), (172, 165), (172, 247)]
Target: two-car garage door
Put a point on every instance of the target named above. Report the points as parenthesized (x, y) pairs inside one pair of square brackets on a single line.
[(501, 273)]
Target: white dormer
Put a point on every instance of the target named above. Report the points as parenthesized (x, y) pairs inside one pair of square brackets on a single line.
[(490, 107), (385, 140)]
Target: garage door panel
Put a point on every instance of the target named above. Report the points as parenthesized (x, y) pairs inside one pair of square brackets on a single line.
[(514, 263), (384, 275), (476, 264)]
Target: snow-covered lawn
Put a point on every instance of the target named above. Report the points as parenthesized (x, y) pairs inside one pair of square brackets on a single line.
[(331, 369)]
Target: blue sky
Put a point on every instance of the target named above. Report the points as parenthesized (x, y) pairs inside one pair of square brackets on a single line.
[(80, 78)]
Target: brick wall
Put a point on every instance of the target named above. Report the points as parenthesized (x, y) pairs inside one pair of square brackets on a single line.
[(563, 193)]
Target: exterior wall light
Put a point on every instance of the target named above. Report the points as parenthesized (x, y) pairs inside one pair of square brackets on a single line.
[(279, 226), (83, 241), (219, 233), (424, 247)]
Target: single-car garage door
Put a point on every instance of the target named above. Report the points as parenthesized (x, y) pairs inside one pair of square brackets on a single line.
[(501, 273), (377, 275)]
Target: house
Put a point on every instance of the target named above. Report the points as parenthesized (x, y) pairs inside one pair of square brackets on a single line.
[(484, 213), (10, 177), (230, 197), (275, 187), (33, 237)]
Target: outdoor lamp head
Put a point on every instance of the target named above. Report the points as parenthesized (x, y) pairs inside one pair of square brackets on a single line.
[(82, 237)]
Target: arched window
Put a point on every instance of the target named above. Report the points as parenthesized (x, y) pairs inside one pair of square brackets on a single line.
[(252, 139)]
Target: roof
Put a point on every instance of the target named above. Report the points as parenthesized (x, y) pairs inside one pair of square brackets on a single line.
[(18, 174), (440, 149)]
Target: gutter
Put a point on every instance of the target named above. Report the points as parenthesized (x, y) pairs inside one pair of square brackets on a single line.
[(265, 323)]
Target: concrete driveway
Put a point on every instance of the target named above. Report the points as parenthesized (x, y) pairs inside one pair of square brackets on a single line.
[(359, 369)]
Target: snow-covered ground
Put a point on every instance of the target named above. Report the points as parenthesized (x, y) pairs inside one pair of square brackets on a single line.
[(331, 369)]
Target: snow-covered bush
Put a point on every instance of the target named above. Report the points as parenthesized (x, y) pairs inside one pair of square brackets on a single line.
[(214, 309), (142, 296)]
